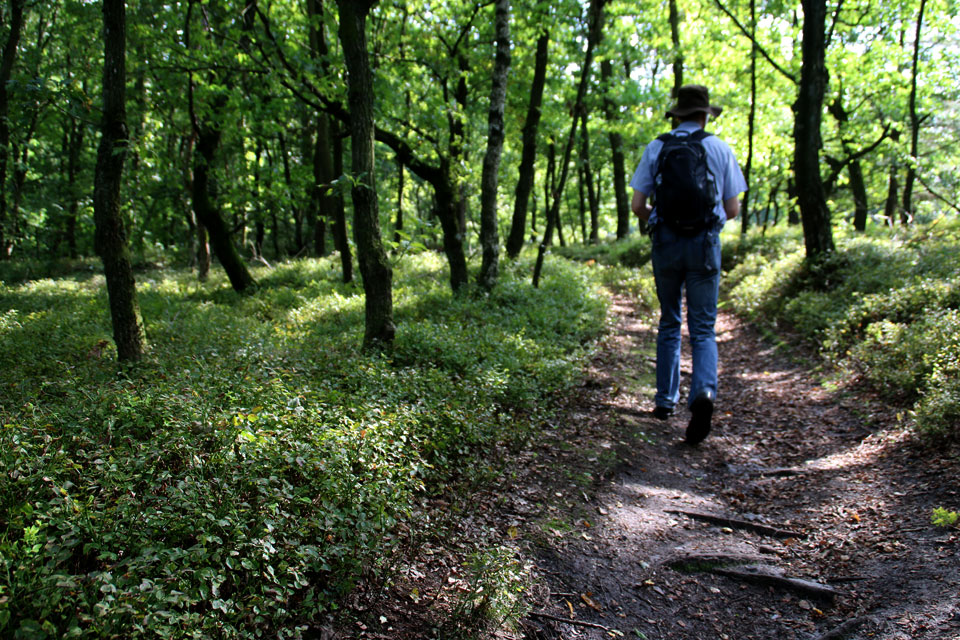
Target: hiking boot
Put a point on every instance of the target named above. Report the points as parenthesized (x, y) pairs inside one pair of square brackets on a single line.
[(662, 413), (701, 410)]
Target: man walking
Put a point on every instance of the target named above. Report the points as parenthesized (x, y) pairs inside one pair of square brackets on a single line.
[(695, 183)]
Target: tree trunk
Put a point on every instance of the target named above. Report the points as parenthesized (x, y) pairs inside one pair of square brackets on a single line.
[(907, 212), (207, 132), (320, 199), (616, 150), (6, 69), (817, 231), (377, 275), (581, 204), (751, 118), (398, 219), (677, 50), (111, 240), (324, 169), (592, 199), (893, 196), (594, 35), (339, 214), (448, 211), (74, 147), (457, 153), (204, 198), (859, 190), (489, 236), (858, 187), (551, 223), (528, 155), (298, 242), (203, 252)]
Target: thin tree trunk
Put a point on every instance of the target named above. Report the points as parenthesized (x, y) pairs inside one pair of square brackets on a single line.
[(489, 235), (772, 202), (751, 118), (298, 242), (320, 198), (208, 134), (339, 214), (203, 252), (324, 169), (6, 70), (817, 230), (616, 151), (858, 188), (204, 197), (398, 219), (677, 50), (893, 196), (581, 204), (528, 154), (588, 177), (75, 134), (377, 275), (111, 240), (907, 212), (594, 35)]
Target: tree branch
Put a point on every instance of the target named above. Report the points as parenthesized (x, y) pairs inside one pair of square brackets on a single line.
[(936, 195), (786, 74), (405, 154), (833, 24), (840, 165)]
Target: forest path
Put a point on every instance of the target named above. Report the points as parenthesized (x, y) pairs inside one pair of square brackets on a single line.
[(832, 466)]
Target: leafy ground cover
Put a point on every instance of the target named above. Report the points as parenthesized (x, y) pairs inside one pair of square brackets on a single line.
[(884, 307), (256, 466)]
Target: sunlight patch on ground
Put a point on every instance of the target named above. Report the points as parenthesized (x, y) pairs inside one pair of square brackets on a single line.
[(765, 376), (866, 452), (648, 503)]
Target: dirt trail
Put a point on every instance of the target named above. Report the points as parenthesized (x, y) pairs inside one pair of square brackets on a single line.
[(832, 467), (822, 487)]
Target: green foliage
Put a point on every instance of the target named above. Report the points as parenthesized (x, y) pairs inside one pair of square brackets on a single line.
[(944, 518), (887, 308), (255, 467), (623, 266), (496, 583)]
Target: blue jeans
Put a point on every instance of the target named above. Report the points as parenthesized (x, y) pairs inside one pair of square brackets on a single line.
[(694, 263)]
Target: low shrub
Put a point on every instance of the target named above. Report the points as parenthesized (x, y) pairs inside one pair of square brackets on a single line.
[(254, 468), (883, 306)]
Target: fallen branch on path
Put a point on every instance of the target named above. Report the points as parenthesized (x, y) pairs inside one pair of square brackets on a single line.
[(781, 472), (579, 623), (771, 576), (734, 523), (838, 632), (707, 560)]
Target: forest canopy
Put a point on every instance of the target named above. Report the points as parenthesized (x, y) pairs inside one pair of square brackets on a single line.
[(271, 80)]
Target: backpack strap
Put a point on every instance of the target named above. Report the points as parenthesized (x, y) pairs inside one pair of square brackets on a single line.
[(697, 136), (700, 134)]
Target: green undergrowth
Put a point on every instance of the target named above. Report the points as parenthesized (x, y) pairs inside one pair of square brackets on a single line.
[(885, 306), (256, 466), (623, 265)]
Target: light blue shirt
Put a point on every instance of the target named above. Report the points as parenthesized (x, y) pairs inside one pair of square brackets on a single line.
[(720, 161)]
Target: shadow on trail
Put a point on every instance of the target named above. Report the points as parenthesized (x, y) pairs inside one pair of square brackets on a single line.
[(784, 452)]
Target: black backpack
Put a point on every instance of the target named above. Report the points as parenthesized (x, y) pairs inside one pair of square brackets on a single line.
[(685, 191)]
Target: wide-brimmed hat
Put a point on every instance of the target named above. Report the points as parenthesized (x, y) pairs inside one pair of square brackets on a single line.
[(693, 98)]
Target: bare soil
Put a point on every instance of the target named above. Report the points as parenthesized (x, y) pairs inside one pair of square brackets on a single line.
[(819, 501)]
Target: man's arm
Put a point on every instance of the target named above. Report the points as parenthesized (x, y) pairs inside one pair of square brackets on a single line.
[(731, 206), (639, 205)]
